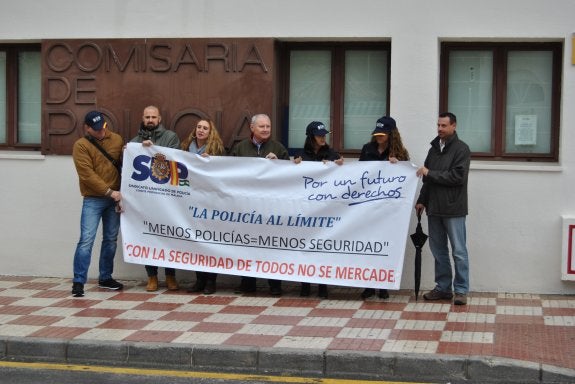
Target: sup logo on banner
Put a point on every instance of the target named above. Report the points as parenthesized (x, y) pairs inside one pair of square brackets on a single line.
[(160, 170)]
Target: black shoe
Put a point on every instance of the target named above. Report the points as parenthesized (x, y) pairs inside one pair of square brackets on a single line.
[(210, 287), (367, 293), (248, 285), (110, 284), (383, 294), (322, 291), (78, 290), (199, 286), (276, 290), (436, 294), (305, 288)]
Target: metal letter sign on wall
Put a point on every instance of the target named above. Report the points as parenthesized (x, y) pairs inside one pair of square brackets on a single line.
[(226, 80)]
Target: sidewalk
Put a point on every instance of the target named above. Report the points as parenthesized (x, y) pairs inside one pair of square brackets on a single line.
[(497, 337)]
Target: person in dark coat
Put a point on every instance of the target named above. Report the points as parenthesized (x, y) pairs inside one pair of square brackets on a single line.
[(444, 198), (316, 149), (260, 144), (152, 132), (385, 145)]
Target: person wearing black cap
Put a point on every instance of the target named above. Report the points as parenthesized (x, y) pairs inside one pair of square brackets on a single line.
[(385, 145), (152, 132), (316, 149), (96, 157)]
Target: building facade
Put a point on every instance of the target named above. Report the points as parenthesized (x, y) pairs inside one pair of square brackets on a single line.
[(506, 69)]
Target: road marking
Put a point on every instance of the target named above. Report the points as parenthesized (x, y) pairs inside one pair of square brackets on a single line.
[(188, 374)]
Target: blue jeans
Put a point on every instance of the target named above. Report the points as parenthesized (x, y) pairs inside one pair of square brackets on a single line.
[(440, 230), (94, 209)]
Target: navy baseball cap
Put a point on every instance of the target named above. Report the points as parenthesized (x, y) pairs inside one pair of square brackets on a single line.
[(316, 128), (95, 120)]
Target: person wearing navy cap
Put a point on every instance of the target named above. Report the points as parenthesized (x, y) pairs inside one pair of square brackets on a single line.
[(385, 145), (316, 149), (96, 157)]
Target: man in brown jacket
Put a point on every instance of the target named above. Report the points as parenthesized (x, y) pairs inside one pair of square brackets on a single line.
[(97, 157)]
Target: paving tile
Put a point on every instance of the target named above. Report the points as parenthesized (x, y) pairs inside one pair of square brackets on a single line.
[(519, 310), (277, 320), (185, 316), (208, 338), (324, 321), (304, 342), (163, 325), (264, 341), (265, 329), (243, 309), (363, 333), (230, 318), (467, 337), (36, 320), (423, 325), (59, 332), (18, 329), (206, 326), (560, 321), (81, 322), (410, 346), (356, 344), (105, 334), (135, 314), (314, 331), (153, 336), (124, 324)]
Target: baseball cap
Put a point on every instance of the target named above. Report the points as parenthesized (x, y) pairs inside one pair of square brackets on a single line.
[(316, 128), (95, 120), (383, 126)]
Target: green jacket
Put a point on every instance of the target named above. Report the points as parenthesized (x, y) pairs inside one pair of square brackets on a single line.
[(247, 148), (159, 136)]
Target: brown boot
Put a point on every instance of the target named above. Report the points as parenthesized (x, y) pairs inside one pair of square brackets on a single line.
[(171, 283), (152, 284)]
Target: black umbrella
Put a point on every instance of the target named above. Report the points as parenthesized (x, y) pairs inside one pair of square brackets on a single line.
[(418, 238)]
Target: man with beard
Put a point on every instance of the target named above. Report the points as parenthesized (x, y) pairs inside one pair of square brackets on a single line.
[(152, 132)]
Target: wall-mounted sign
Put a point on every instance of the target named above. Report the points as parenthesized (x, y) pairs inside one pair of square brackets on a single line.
[(525, 129), (568, 264), (224, 79)]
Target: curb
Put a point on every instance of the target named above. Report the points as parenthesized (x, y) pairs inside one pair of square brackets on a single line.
[(284, 362)]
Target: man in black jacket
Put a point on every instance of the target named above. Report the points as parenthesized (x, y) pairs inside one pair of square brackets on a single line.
[(444, 198)]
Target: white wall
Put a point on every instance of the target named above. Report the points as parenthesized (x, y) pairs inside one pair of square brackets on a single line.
[(514, 226)]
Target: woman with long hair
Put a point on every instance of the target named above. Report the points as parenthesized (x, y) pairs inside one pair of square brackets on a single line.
[(385, 145), (204, 140), (316, 149)]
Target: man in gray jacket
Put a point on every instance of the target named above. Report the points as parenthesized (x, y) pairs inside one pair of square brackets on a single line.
[(152, 132), (444, 198)]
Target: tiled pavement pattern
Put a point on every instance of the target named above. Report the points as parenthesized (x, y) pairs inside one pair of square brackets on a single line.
[(527, 327)]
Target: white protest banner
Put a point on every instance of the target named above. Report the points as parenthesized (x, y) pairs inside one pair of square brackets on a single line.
[(321, 223)]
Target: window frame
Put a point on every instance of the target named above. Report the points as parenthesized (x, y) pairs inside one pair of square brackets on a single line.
[(337, 97), (500, 52), (12, 68)]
